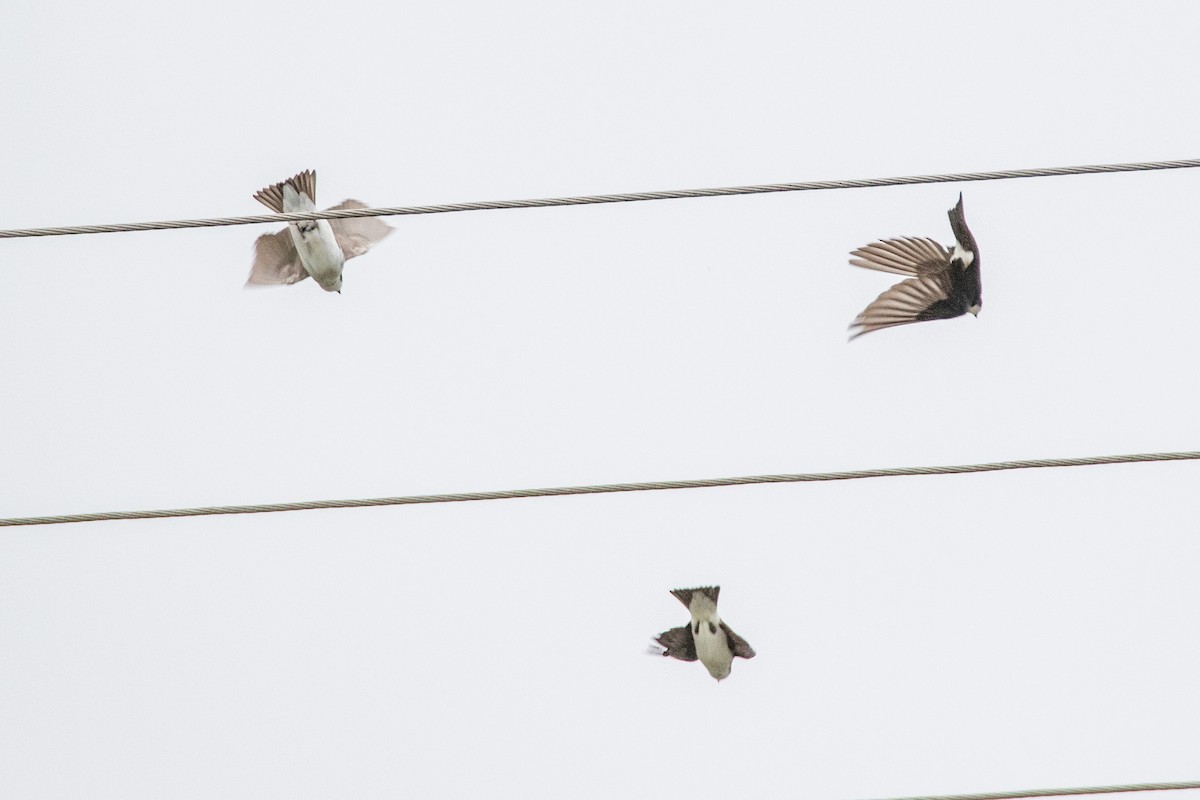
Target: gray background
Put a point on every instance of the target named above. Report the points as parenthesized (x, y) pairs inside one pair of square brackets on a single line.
[(915, 635)]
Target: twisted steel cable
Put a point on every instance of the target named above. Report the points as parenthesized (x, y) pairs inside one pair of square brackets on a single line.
[(631, 197), (804, 477)]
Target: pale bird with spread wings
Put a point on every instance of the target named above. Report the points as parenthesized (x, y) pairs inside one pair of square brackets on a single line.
[(319, 248)]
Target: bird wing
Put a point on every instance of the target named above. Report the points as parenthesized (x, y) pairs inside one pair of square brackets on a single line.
[(356, 235), (907, 301), (740, 647), (275, 261), (904, 256), (678, 643)]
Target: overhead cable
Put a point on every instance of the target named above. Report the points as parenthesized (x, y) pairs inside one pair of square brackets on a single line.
[(1131, 787), (630, 197), (313, 505)]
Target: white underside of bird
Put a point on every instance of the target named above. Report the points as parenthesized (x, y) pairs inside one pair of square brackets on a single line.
[(712, 645), (315, 243)]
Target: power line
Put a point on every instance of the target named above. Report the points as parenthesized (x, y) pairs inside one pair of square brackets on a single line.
[(803, 477), (601, 198), (1132, 787)]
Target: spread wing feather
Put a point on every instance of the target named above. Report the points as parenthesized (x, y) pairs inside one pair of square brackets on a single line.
[(902, 304), (356, 235), (904, 256), (678, 643), (275, 261)]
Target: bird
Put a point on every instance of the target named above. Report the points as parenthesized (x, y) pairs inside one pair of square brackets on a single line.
[(707, 638), (944, 284), (310, 247)]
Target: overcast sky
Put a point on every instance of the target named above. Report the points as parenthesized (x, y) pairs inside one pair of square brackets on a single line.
[(915, 635)]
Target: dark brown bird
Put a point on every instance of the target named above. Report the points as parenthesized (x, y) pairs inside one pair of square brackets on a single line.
[(944, 284)]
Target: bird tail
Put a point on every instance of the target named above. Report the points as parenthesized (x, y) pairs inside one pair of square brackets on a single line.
[(958, 221), (272, 196), (685, 595)]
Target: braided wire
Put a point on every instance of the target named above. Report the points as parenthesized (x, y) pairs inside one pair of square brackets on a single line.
[(1131, 787), (630, 197), (809, 477)]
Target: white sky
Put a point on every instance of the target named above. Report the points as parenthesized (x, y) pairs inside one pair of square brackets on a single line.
[(915, 635)]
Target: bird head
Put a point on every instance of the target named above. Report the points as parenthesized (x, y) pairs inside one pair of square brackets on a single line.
[(720, 676)]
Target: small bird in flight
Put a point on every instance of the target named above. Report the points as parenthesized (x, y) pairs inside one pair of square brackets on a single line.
[(317, 247), (707, 638), (944, 283)]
